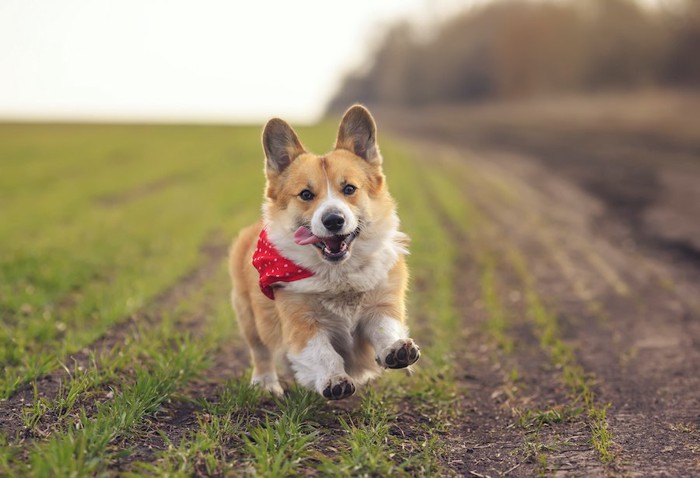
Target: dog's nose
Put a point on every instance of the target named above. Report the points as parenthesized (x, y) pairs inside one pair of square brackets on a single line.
[(333, 221)]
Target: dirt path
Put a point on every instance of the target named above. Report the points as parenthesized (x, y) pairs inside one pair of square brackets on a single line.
[(624, 289)]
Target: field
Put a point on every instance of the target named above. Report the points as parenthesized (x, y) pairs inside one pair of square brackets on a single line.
[(548, 345)]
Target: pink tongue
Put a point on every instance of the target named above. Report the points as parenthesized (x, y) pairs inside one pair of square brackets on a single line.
[(303, 236)]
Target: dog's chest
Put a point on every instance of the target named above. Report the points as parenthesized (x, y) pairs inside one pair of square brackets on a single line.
[(346, 305)]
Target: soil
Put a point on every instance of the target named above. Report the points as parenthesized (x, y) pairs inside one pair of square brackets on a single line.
[(608, 223)]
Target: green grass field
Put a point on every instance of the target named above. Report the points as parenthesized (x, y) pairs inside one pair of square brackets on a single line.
[(120, 353)]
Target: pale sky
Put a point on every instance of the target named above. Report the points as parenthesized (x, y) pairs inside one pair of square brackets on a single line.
[(176, 60)]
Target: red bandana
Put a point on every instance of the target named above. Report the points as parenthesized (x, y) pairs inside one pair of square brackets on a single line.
[(273, 267)]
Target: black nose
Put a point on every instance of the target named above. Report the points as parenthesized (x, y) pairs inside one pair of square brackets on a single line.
[(333, 221)]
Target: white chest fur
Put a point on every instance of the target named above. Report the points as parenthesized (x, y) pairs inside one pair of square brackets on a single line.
[(347, 306)]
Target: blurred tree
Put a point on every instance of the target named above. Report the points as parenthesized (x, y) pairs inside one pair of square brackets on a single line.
[(520, 48), (683, 61)]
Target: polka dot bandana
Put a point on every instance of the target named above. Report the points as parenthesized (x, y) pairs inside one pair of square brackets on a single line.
[(273, 267)]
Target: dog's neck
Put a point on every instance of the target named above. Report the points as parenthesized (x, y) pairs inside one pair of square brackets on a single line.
[(371, 260)]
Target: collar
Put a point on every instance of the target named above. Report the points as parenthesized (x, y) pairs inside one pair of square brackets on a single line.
[(273, 267)]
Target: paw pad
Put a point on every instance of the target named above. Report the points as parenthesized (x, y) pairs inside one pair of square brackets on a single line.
[(401, 354), (337, 389)]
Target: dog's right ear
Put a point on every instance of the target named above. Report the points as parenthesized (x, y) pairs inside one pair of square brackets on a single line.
[(281, 145)]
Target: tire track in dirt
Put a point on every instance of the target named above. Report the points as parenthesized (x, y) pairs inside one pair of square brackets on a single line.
[(213, 252), (493, 440), (642, 345), (645, 353), (484, 439)]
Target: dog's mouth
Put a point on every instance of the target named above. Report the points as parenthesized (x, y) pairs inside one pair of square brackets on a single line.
[(333, 248)]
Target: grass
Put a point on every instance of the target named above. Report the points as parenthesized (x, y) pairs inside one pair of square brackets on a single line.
[(433, 255), (195, 449), (563, 357), (7, 455), (100, 222), (77, 265), (236, 395), (220, 427), (32, 415), (73, 266), (155, 364), (469, 226), (498, 322), (82, 450), (144, 343), (601, 436), (539, 418), (280, 447), (367, 451), (91, 213)]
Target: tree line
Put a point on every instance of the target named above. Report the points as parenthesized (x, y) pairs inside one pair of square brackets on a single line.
[(525, 48)]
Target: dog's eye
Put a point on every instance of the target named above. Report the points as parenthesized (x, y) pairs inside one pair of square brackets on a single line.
[(306, 195), (349, 190)]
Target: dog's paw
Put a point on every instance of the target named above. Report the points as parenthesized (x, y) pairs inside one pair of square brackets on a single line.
[(401, 354), (338, 387), (268, 382)]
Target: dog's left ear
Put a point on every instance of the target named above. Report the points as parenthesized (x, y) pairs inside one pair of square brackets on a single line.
[(358, 134)]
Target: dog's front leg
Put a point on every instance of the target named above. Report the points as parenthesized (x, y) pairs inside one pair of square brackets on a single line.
[(383, 323), (318, 366), (314, 360), (389, 337)]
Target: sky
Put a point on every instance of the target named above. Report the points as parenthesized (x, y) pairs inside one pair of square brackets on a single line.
[(176, 60)]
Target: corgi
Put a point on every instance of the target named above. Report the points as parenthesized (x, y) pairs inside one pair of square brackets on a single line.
[(319, 283)]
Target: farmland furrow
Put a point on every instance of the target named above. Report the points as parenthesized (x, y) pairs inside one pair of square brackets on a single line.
[(552, 420), (628, 323), (640, 340), (533, 311), (54, 400)]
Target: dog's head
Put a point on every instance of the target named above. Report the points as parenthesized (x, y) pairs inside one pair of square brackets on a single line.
[(326, 207)]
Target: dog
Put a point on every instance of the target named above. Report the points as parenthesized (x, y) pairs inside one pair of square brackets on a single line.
[(319, 283)]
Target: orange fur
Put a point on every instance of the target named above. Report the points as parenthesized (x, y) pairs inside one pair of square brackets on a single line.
[(343, 317)]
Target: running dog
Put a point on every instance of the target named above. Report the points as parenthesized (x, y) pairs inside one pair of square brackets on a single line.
[(320, 281)]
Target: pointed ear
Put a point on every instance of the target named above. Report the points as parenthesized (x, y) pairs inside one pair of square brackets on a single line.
[(281, 145), (358, 134)]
